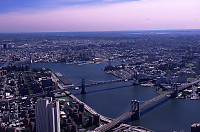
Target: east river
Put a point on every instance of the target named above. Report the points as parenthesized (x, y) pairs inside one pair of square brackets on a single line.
[(114, 99)]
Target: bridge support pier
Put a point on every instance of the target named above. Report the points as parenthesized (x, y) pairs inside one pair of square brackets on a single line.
[(83, 87), (135, 110), (135, 116)]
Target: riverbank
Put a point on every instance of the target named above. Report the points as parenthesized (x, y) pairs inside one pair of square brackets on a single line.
[(61, 85)]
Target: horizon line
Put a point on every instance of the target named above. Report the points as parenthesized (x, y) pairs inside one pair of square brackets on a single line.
[(102, 31)]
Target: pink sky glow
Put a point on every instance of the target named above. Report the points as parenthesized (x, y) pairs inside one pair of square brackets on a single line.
[(136, 15)]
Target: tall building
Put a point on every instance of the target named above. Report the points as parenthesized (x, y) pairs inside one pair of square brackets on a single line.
[(4, 46), (47, 116)]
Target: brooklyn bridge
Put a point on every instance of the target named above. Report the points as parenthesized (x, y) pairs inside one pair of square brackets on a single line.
[(134, 113)]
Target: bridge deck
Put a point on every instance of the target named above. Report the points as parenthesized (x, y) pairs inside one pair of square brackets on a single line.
[(127, 115), (103, 82), (114, 122)]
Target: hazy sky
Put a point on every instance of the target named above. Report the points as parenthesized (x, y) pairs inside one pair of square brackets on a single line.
[(98, 15)]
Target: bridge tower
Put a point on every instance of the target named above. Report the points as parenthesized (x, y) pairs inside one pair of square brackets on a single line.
[(83, 86), (175, 89), (135, 109), (135, 78), (135, 75), (109, 62)]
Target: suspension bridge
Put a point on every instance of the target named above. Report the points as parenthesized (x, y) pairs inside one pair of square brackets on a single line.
[(95, 83), (136, 107), (134, 113), (76, 84)]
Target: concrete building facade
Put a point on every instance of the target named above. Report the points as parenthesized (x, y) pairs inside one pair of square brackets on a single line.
[(47, 116)]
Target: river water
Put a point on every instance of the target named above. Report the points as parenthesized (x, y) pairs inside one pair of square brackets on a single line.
[(1, 64), (114, 99)]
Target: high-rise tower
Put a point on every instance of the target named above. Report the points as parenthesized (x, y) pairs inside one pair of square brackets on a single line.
[(47, 116)]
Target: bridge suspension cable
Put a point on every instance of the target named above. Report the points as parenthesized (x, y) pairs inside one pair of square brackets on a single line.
[(143, 101), (93, 81)]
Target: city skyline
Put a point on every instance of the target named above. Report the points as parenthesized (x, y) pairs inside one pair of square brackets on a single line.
[(99, 80), (98, 15)]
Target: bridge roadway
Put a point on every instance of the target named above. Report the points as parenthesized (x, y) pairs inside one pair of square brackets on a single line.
[(103, 82), (157, 98), (128, 114), (114, 122)]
